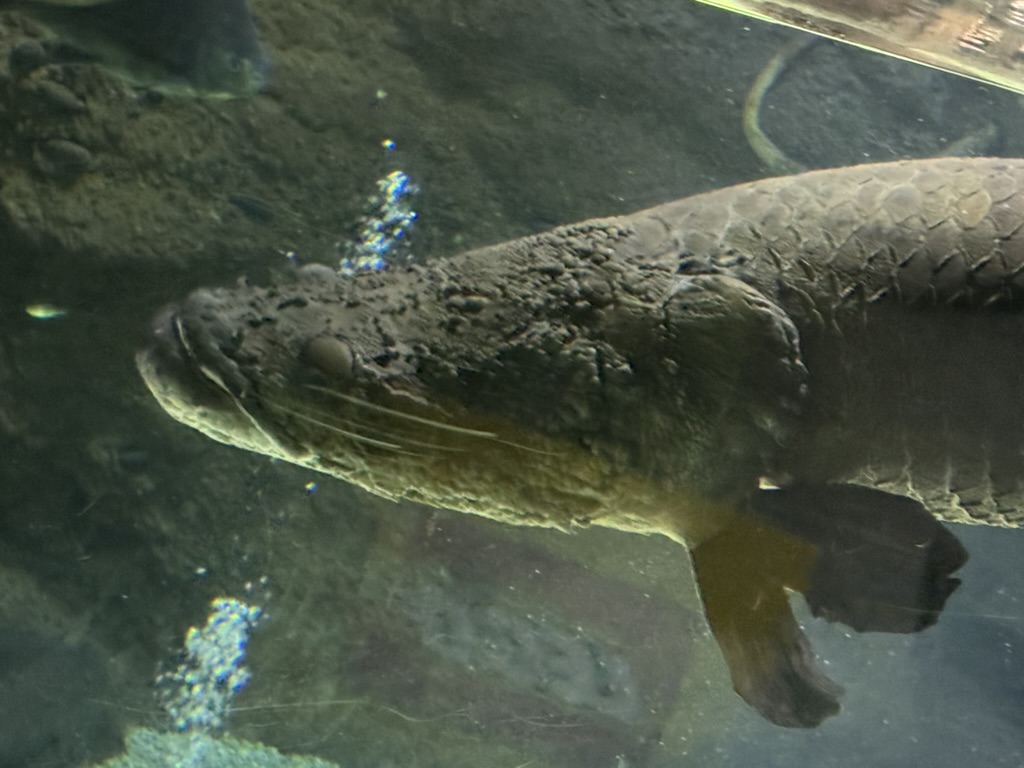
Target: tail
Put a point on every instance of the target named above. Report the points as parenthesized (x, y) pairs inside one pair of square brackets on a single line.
[(869, 559)]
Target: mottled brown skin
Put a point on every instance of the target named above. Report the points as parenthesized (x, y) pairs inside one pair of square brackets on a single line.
[(850, 336)]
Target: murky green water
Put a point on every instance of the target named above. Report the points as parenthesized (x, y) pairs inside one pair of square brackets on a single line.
[(392, 634)]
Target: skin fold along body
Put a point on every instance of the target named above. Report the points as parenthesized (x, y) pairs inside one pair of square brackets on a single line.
[(795, 378)]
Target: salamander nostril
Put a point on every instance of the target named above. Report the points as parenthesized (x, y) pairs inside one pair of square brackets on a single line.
[(164, 326)]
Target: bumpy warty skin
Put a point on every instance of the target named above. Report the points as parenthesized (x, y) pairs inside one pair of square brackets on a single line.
[(571, 338), (849, 325)]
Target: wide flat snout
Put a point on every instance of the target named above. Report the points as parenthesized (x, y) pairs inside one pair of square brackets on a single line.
[(169, 369), (189, 389)]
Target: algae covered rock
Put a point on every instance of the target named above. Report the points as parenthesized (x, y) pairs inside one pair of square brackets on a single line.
[(145, 748)]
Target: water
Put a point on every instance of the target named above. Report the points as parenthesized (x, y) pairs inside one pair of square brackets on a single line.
[(393, 635)]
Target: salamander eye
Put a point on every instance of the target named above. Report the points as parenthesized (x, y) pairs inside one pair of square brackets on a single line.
[(332, 357)]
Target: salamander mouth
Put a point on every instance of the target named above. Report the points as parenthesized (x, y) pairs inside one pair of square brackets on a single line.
[(267, 373), (179, 371), (169, 368), (194, 378)]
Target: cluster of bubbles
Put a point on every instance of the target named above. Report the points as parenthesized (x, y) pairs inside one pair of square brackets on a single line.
[(384, 226), (198, 693)]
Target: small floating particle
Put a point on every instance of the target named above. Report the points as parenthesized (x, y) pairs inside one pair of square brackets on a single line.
[(45, 311)]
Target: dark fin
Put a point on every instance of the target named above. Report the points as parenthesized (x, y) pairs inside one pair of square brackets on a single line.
[(742, 573), (884, 561)]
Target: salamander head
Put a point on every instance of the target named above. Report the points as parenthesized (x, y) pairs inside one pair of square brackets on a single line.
[(193, 388), (318, 374), (235, 363)]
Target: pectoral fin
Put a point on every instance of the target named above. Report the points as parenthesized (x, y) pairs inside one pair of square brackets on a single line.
[(742, 574), (884, 562), (872, 560)]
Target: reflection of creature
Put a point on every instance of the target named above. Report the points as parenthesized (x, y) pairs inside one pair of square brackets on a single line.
[(189, 47), (980, 39), (794, 378), (977, 141)]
